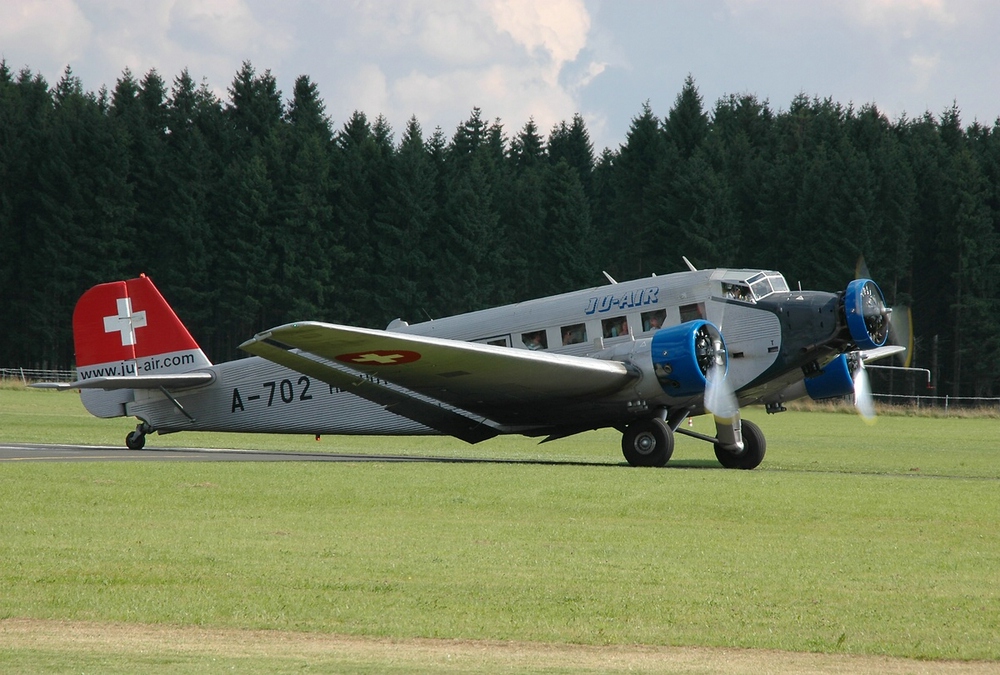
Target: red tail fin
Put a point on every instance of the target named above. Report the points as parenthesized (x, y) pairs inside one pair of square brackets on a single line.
[(127, 328)]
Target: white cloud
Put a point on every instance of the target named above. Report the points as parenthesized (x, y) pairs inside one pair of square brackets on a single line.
[(225, 26), (557, 27), (892, 14), (456, 37), (56, 32), (901, 11), (368, 91), (924, 70), (439, 60)]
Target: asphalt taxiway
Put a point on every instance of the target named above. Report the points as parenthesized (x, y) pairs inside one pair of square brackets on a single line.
[(37, 452)]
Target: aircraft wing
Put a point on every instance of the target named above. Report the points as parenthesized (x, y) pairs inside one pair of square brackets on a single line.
[(413, 375), (870, 355)]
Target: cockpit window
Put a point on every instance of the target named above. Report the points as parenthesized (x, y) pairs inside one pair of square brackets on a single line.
[(778, 283), (755, 288), (761, 288)]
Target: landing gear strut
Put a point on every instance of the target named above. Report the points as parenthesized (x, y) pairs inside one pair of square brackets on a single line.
[(648, 442), (135, 440)]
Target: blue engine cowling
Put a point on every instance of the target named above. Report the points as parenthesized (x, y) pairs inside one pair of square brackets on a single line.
[(834, 381), (866, 314), (683, 354)]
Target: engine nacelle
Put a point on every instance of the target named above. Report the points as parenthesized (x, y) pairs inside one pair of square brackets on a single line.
[(682, 356), (834, 381)]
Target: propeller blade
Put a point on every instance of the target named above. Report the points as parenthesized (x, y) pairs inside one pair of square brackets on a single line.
[(720, 399), (863, 399), (901, 332)]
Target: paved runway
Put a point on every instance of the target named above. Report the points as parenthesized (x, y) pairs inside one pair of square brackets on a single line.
[(36, 452)]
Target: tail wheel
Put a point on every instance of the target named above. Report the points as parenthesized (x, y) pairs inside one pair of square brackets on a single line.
[(648, 443), (135, 440), (754, 447)]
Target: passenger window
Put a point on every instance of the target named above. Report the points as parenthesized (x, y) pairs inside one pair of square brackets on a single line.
[(498, 341), (692, 312), (574, 334), (737, 292), (614, 327), (653, 320), (535, 340)]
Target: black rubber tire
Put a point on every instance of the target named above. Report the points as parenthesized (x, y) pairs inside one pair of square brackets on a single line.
[(134, 440), (648, 443), (754, 447)]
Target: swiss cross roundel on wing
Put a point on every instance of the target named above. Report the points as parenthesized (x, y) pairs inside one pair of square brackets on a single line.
[(379, 357)]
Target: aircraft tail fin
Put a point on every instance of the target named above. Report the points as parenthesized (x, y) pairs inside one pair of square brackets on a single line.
[(126, 332)]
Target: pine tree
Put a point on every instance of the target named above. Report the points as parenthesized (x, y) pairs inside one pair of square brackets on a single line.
[(642, 168), (527, 149), (308, 245), (26, 119), (571, 143), (409, 211), (568, 236), (686, 125), (83, 209)]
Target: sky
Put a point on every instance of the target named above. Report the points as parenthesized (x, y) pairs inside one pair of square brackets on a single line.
[(540, 60)]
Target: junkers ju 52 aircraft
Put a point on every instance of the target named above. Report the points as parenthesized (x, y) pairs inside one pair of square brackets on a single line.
[(640, 356)]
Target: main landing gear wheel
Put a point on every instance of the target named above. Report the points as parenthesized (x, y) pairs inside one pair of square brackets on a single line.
[(754, 447), (648, 443)]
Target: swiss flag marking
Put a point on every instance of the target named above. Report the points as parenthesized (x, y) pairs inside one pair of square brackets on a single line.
[(125, 321), (107, 317), (380, 357)]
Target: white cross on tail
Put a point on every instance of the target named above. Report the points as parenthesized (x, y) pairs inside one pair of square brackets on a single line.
[(125, 322)]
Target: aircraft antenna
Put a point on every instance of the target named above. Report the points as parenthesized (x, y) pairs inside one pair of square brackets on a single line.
[(688, 263), (609, 277)]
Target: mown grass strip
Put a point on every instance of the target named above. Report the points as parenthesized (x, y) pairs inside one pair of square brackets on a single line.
[(849, 539)]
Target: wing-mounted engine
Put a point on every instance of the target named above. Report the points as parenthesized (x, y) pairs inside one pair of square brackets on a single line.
[(684, 371), (683, 357), (835, 380)]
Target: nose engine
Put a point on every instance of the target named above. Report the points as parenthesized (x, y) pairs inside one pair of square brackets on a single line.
[(821, 335), (865, 313)]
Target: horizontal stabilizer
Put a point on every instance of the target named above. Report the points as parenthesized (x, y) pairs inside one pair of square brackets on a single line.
[(178, 381)]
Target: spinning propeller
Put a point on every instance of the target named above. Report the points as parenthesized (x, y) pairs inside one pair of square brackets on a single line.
[(863, 399), (869, 322), (720, 399)]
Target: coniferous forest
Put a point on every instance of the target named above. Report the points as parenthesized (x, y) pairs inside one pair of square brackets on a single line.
[(258, 210)]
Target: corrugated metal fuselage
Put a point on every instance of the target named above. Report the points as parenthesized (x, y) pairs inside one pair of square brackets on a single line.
[(766, 342)]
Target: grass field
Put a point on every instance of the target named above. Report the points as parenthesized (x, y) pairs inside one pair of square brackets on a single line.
[(849, 540)]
